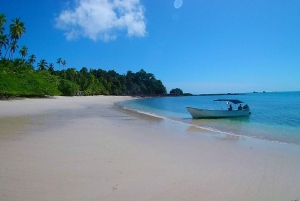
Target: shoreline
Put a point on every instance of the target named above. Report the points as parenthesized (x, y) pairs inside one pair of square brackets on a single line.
[(209, 130), (87, 148), (263, 124), (206, 130)]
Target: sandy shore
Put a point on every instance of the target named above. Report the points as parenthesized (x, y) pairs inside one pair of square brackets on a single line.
[(86, 148)]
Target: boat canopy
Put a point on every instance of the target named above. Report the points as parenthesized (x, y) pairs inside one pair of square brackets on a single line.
[(230, 100)]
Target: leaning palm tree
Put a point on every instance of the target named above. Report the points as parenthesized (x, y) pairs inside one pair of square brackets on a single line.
[(59, 60), (23, 52), (3, 43), (42, 65)]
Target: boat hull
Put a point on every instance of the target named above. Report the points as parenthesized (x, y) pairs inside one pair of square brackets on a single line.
[(202, 113)]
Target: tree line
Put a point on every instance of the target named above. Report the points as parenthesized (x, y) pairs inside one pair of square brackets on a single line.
[(20, 77)]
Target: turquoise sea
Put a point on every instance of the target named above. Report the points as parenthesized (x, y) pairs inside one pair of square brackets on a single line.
[(275, 116)]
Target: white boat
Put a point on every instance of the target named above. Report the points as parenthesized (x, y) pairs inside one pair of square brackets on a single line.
[(229, 111)]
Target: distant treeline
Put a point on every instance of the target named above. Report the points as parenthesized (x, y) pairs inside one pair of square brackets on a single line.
[(20, 76)]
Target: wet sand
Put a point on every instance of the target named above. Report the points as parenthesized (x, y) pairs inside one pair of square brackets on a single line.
[(86, 148)]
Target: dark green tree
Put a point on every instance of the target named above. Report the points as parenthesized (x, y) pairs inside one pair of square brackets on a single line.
[(51, 68), (67, 87), (3, 43), (31, 59), (43, 65), (177, 92), (23, 52)]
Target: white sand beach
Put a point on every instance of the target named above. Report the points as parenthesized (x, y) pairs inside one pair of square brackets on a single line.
[(86, 148)]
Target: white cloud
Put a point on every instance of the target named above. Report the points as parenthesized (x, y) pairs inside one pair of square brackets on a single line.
[(102, 19)]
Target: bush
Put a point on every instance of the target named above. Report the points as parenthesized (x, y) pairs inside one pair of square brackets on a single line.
[(176, 91), (67, 88), (27, 82)]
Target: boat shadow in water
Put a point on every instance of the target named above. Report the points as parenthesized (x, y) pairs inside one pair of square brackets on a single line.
[(220, 128), (241, 119)]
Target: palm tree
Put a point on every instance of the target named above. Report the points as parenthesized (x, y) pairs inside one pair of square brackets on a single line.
[(2, 21), (16, 29), (59, 60), (3, 38), (51, 67), (13, 47), (23, 52), (31, 59), (64, 63), (42, 65), (3, 43)]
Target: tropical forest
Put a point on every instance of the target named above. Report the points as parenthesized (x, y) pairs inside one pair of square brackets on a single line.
[(22, 75)]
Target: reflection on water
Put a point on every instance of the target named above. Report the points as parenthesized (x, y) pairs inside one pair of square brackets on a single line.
[(227, 125)]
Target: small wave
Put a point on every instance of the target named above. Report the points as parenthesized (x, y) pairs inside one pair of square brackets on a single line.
[(141, 112)]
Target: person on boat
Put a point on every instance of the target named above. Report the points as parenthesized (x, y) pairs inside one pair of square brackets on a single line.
[(240, 107), (246, 107), (230, 107)]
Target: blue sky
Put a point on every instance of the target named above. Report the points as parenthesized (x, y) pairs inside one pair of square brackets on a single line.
[(202, 46)]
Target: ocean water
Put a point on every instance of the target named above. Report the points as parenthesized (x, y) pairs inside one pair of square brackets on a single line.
[(275, 116)]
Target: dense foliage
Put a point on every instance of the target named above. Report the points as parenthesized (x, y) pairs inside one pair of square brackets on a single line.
[(19, 76), (20, 79), (177, 92)]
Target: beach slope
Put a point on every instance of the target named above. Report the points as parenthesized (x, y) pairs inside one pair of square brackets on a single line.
[(87, 148)]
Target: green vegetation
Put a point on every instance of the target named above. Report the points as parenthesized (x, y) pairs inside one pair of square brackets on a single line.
[(19, 76), (177, 92), (19, 79)]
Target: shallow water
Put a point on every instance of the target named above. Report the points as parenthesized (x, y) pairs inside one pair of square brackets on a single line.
[(274, 116)]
